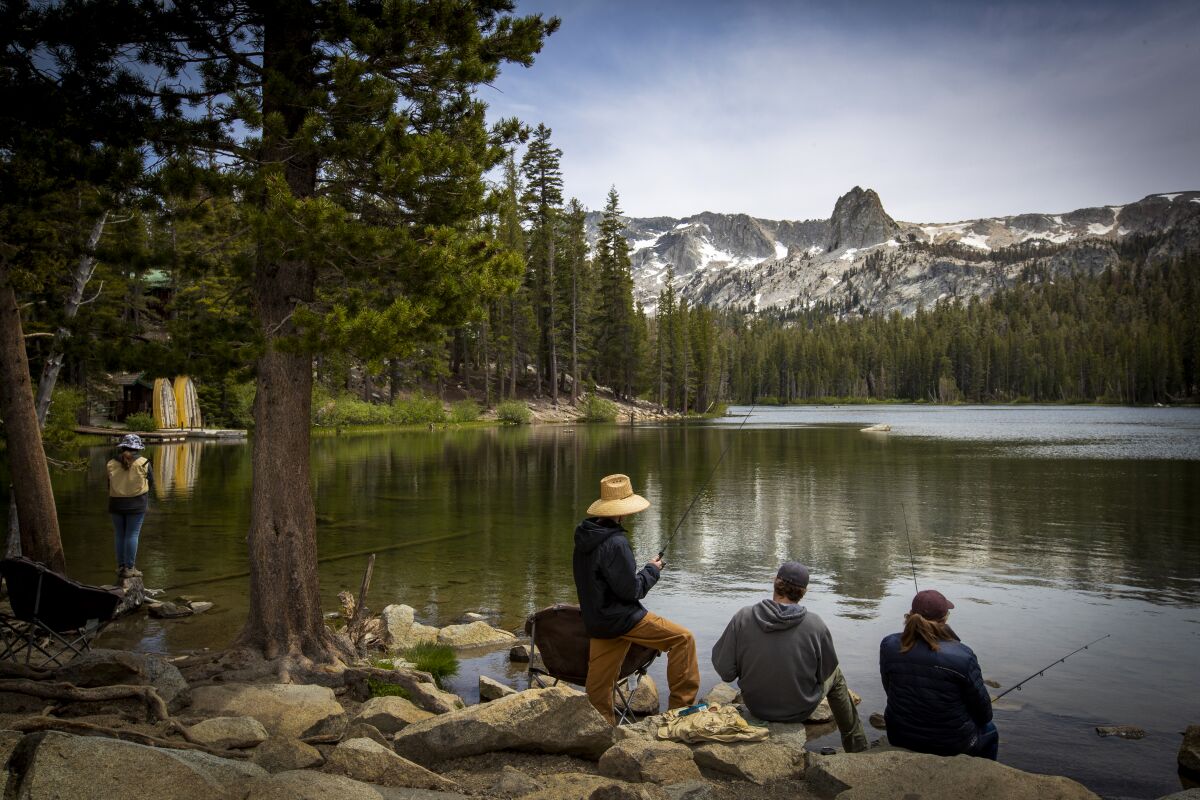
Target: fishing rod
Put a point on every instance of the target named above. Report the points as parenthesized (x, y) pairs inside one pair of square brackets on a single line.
[(1048, 666), (911, 562), (704, 485)]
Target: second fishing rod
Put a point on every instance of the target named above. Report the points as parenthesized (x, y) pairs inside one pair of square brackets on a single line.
[(704, 485)]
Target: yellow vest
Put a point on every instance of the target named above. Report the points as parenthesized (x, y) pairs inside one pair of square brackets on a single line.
[(130, 482)]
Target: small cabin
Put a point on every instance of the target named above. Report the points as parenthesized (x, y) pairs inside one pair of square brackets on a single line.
[(137, 395)]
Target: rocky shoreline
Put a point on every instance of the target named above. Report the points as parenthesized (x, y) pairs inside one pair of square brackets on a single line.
[(137, 725)]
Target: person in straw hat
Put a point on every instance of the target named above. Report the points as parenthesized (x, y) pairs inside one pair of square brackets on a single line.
[(610, 588)]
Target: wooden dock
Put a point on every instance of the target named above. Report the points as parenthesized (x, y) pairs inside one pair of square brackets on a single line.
[(165, 435)]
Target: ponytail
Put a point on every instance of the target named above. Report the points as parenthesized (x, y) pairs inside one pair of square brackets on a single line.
[(928, 631)]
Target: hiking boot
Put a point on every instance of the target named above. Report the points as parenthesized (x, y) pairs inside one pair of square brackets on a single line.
[(133, 572), (122, 572)]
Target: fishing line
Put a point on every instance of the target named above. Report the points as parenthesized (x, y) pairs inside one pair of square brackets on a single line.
[(1048, 666), (704, 485), (912, 563)]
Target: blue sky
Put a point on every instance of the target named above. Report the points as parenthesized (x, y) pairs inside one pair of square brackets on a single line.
[(948, 110)]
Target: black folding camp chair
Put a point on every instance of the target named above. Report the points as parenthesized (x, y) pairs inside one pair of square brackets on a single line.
[(54, 619), (558, 636)]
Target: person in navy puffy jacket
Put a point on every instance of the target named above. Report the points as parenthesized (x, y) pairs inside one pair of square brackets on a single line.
[(936, 700)]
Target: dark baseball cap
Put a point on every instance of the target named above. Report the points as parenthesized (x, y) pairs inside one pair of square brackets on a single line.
[(931, 604), (793, 572)]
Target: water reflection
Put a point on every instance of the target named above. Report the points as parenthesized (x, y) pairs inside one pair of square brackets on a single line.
[(1038, 547)]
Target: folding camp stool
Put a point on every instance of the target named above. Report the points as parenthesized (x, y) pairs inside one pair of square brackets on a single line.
[(52, 616), (560, 650)]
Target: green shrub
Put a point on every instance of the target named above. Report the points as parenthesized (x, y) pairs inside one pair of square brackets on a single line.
[(438, 660), (241, 404), (417, 409), (513, 412), (597, 409), (141, 421), (383, 689), (61, 418), (464, 411)]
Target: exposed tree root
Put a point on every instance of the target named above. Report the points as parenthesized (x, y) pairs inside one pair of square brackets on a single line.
[(156, 709), (33, 724)]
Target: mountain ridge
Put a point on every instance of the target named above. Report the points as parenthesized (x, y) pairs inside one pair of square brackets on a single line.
[(862, 261)]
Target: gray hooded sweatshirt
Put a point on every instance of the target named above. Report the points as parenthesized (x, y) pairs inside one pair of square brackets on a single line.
[(780, 655)]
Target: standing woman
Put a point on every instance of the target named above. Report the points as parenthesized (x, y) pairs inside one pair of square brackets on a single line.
[(936, 700), (130, 480)]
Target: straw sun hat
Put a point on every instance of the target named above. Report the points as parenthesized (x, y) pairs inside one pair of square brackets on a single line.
[(617, 498)]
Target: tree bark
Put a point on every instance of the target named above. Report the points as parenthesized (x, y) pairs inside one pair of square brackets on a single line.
[(553, 324), (37, 515), (285, 604)]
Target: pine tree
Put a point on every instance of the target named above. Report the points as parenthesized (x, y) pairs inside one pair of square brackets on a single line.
[(614, 322), (542, 201)]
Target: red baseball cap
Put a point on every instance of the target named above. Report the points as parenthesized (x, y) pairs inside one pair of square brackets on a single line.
[(931, 604)]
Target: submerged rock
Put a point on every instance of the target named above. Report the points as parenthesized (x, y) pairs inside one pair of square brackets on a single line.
[(1189, 751), (474, 634), (1122, 731), (491, 689)]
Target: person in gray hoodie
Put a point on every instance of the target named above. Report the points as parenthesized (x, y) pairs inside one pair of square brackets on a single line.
[(782, 656)]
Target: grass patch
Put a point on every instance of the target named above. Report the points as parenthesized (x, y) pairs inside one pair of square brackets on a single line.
[(140, 421), (597, 409), (464, 411), (438, 660), (514, 412), (382, 689), (418, 409)]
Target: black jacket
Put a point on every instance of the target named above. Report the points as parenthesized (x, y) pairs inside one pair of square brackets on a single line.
[(936, 701), (607, 579)]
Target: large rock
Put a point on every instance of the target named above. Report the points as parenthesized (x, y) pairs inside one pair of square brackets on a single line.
[(644, 700), (390, 714), (757, 762), (474, 634), (429, 697), (1189, 751), (305, 785), (519, 654), (513, 783), (8, 743), (361, 730), (401, 630), (365, 760), (581, 786), (284, 709), (492, 689), (859, 221), (722, 694), (50, 766), (551, 720), (651, 762), (112, 667), (281, 754), (223, 733), (896, 773)]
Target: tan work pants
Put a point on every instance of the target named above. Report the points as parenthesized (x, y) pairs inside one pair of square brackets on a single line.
[(607, 655)]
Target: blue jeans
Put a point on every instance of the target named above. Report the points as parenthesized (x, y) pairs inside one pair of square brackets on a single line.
[(127, 527), (988, 743)]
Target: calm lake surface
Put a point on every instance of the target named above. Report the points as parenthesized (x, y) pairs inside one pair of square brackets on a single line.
[(1048, 527)]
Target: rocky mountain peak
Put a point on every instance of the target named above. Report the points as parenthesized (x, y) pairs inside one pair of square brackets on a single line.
[(860, 221)]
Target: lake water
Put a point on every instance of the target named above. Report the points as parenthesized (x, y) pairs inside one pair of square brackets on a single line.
[(1048, 527)]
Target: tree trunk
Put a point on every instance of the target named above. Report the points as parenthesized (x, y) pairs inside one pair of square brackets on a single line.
[(487, 364), (285, 602), (575, 331), (512, 392), (36, 512), (54, 361), (553, 323)]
